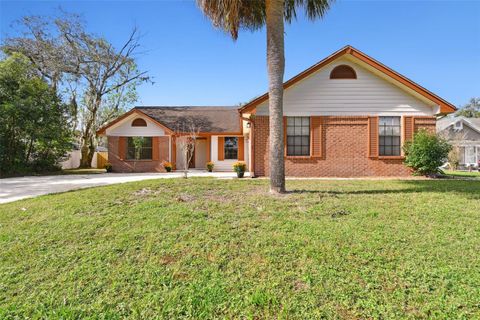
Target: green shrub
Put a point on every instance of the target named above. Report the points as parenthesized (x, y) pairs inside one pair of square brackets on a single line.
[(426, 153)]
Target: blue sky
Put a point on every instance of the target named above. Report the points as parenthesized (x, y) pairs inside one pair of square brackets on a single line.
[(434, 43)]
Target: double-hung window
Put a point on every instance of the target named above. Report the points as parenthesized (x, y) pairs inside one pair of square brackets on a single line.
[(390, 136), (139, 148), (230, 148), (298, 136)]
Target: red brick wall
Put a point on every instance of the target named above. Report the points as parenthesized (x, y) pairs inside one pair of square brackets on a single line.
[(424, 123), (345, 151), (120, 165)]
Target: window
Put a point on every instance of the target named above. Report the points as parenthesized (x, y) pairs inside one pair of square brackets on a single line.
[(390, 137), (343, 72), (458, 125), (139, 122), (230, 148), (298, 136), (470, 155), (139, 148)]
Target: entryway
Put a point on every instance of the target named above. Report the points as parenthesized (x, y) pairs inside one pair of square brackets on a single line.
[(200, 154)]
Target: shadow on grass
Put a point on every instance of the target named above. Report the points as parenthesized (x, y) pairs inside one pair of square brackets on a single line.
[(470, 188)]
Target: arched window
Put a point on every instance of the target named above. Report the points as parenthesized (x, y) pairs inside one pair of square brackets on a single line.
[(139, 122), (343, 72)]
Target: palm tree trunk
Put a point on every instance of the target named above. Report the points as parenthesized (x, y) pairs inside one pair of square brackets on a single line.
[(276, 69)]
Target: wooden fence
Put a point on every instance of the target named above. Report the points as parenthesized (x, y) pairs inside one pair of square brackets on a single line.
[(102, 159)]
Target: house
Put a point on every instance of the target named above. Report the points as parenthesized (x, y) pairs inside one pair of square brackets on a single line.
[(220, 139), (464, 134), (348, 115)]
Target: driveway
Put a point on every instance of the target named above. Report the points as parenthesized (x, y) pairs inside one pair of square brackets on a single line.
[(12, 189)]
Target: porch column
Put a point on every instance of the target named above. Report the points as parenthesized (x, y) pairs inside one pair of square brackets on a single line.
[(173, 153), (209, 148)]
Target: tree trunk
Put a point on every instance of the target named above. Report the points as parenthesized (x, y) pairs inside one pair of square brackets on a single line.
[(91, 150), (276, 68), (87, 151), (88, 147), (29, 151), (85, 162)]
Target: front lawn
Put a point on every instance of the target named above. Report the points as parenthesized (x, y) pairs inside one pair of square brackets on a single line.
[(207, 248), (463, 174)]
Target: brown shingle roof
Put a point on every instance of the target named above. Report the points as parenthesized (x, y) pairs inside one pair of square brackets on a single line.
[(207, 119)]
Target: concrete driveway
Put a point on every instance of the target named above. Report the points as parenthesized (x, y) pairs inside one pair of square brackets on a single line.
[(12, 189)]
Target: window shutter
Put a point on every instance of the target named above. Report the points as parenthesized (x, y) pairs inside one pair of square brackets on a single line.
[(122, 147), (155, 149), (372, 137), (163, 148), (316, 132), (221, 149), (241, 156), (407, 128)]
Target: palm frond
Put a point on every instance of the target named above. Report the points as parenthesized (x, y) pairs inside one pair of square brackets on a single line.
[(313, 8), (233, 15)]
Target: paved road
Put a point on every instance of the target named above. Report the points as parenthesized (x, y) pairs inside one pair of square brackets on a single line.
[(12, 189)]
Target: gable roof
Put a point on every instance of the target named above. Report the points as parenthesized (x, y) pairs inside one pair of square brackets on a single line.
[(221, 120), (445, 107), (446, 122)]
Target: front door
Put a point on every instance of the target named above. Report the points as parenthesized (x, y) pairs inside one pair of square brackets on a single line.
[(200, 153)]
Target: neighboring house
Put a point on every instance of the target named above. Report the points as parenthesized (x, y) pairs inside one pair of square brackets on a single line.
[(346, 116), (464, 134)]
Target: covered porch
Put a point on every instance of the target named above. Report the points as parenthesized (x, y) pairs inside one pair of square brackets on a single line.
[(222, 151)]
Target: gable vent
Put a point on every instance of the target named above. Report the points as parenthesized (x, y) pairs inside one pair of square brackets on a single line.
[(343, 72)]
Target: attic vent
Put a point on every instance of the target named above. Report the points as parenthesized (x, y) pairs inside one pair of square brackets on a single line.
[(139, 122), (459, 125), (343, 72)]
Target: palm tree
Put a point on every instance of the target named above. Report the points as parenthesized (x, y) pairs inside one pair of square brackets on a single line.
[(233, 15)]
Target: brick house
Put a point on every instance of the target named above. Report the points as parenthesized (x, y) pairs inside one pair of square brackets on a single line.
[(346, 116)]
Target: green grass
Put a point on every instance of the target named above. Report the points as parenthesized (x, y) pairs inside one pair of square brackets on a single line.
[(204, 248), (463, 174), (83, 171)]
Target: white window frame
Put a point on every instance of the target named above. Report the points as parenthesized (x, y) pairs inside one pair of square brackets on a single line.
[(476, 154), (458, 125)]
